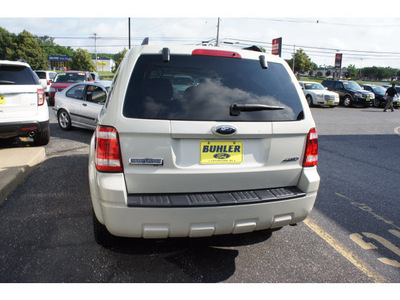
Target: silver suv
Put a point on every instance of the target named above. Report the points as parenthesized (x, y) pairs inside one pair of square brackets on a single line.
[(23, 106), (234, 153)]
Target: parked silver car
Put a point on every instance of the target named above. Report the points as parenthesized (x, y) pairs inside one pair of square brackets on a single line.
[(80, 104)]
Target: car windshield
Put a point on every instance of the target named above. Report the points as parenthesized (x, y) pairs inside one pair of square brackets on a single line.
[(313, 86), (16, 74), (70, 77), (379, 89), (351, 85), (220, 82)]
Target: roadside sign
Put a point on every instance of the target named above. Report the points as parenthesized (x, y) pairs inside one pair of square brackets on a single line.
[(277, 46), (338, 60)]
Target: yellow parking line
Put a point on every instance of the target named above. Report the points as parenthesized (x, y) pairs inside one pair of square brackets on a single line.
[(345, 252)]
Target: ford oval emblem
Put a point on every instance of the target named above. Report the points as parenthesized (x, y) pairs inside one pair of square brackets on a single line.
[(225, 130), (222, 156)]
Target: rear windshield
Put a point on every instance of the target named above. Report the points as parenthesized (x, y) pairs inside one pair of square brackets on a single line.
[(17, 75), (203, 88), (41, 75), (70, 77)]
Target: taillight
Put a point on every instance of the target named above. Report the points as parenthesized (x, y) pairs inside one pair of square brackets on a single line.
[(49, 82), (41, 97), (107, 150), (311, 153), (217, 53)]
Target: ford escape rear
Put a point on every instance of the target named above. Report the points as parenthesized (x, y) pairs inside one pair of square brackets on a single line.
[(234, 152)]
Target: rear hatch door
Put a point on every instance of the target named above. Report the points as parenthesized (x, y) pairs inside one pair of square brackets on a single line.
[(197, 142), (18, 93)]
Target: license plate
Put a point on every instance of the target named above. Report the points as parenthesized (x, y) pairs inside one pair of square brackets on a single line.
[(330, 102), (368, 99), (221, 152), (2, 99)]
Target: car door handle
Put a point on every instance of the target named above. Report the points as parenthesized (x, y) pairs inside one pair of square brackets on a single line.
[(84, 104)]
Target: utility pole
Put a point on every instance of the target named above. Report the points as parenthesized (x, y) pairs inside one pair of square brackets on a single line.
[(129, 32), (95, 49), (217, 43), (294, 52)]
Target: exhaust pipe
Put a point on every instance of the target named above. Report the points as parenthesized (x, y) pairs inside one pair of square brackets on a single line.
[(31, 134)]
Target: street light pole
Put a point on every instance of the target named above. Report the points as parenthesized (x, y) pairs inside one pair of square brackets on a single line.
[(217, 43), (95, 50)]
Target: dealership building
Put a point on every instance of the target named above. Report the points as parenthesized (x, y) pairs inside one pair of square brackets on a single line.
[(59, 62)]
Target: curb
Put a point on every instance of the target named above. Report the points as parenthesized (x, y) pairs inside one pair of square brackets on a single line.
[(15, 165)]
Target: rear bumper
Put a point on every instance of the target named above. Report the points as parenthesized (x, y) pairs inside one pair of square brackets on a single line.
[(22, 129), (126, 215), (158, 222)]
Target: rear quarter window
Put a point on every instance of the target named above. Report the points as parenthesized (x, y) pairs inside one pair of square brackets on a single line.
[(203, 89), (41, 75), (19, 75)]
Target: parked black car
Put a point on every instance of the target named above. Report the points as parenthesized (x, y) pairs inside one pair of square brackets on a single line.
[(379, 91), (350, 92)]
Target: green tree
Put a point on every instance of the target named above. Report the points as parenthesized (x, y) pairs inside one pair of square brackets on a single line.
[(27, 48), (302, 63), (82, 61), (22, 46), (379, 73), (51, 48), (353, 71), (118, 58), (7, 45)]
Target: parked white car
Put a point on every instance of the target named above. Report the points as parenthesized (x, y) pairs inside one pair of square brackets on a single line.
[(237, 153), (46, 78), (23, 107), (317, 94), (80, 104)]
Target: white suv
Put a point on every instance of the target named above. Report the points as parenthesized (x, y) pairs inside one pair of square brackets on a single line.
[(237, 153), (46, 78), (23, 106)]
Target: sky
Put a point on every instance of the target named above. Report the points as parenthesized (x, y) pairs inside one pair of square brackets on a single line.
[(366, 35)]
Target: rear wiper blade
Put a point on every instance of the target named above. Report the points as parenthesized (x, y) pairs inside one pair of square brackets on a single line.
[(235, 108), (6, 82)]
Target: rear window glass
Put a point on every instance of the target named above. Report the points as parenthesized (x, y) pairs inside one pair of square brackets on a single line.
[(41, 75), (70, 77), (204, 88), (17, 75)]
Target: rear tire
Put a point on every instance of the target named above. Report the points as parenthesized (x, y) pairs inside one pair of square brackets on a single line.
[(42, 138), (102, 236), (377, 103)]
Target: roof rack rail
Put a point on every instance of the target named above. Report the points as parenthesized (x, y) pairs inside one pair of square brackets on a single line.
[(253, 48), (146, 41)]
